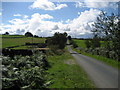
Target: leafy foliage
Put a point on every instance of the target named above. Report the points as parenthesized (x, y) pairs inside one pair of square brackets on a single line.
[(59, 39), (24, 72), (88, 43), (28, 34), (69, 38), (36, 36), (6, 33), (95, 42), (108, 28)]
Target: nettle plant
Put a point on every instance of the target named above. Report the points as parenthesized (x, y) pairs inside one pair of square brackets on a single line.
[(26, 72)]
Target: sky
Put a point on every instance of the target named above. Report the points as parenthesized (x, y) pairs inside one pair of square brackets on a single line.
[(44, 17)]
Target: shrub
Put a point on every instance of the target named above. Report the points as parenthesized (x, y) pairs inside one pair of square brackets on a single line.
[(54, 49), (88, 43), (24, 72), (112, 55), (28, 34), (59, 39), (95, 43)]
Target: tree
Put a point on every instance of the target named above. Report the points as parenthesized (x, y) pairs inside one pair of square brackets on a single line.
[(6, 33), (59, 40), (69, 38), (65, 34), (95, 42), (36, 36), (28, 34), (108, 27)]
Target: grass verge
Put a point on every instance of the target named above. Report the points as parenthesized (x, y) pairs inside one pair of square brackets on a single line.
[(108, 61), (65, 73)]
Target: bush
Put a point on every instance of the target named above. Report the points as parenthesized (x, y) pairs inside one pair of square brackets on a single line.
[(59, 39), (95, 43), (28, 34), (24, 72), (102, 52), (88, 43), (54, 50), (112, 55)]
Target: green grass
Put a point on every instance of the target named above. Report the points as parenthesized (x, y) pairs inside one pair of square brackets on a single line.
[(7, 42), (108, 61), (63, 75), (11, 36), (80, 43)]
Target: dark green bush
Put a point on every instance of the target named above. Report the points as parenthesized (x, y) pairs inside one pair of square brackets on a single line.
[(59, 40), (88, 43)]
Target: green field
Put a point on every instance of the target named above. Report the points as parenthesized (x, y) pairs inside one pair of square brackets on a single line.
[(12, 36), (65, 73), (8, 42), (80, 43)]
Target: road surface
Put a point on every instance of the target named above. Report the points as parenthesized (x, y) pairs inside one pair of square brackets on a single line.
[(102, 75)]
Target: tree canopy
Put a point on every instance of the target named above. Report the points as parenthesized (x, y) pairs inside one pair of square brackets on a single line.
[(6, 33), (59, 40), (28, 34), (108, 28)]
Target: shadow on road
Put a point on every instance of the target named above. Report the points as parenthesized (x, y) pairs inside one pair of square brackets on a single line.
[(74, 53)]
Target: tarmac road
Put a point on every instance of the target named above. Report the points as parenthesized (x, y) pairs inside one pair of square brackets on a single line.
[(103, 76)]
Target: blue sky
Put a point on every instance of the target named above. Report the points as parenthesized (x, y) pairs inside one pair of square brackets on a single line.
[(9, 9), (71, 17)]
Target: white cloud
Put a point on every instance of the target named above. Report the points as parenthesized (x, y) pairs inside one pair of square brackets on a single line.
[(47, 5), (94, 4), (78, 13), (79, 4), (17, 15), (82, 25), (0, 13), (55, 27), (45, 16), (40, 24), (97, 3), (25, 16), (18, 21)]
